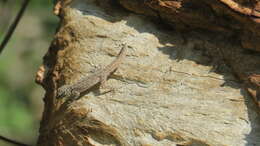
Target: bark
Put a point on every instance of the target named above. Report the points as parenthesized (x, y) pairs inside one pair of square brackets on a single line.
[(189, 77)]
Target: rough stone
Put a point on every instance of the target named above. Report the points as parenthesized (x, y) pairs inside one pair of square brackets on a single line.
[(172, 88)]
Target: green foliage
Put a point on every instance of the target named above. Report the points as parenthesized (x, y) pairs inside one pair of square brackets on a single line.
[(41, 3), (12, 111), (20, 97)]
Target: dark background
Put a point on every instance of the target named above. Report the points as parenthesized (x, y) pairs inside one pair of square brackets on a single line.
[(20, 97)]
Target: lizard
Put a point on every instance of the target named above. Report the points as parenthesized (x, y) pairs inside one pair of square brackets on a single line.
[(74, 90)]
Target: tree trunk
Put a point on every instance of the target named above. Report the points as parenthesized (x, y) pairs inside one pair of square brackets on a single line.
[(191, 71)]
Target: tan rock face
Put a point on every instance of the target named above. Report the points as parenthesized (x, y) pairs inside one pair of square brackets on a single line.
[(172, 88)]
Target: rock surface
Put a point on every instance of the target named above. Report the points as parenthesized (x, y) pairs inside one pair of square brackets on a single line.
[(238, 19), (172, 88)]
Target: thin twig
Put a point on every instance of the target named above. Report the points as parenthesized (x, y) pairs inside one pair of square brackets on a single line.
[(12, 141), (13, 26)]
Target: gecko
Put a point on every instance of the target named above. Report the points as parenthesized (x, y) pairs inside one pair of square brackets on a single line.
[(74, 90)]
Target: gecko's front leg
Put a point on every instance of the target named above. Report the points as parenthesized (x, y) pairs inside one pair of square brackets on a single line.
[(64, 91)]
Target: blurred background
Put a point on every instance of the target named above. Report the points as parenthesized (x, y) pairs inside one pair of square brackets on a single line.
[(21, 101)]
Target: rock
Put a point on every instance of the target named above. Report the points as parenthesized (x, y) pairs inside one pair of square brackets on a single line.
[(172, 88)]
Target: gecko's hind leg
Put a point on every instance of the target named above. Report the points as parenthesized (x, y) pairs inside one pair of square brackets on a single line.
[(103, 80), (104, 87)]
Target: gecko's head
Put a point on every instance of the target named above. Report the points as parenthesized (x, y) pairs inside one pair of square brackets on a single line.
[(63, 91)]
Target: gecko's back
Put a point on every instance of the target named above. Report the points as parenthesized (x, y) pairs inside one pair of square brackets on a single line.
[(99, 76)]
